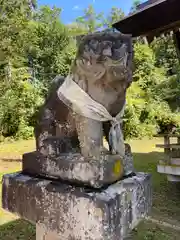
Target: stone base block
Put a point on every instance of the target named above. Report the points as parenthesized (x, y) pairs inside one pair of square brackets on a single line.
[(43, 234), (74, 168), (79, 213)]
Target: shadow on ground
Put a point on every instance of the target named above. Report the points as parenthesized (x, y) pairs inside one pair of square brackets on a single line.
[(10, 159), (17, 230)]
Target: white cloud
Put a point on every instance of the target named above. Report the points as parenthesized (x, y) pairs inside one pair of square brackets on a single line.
[(76, 7), (94, 1)]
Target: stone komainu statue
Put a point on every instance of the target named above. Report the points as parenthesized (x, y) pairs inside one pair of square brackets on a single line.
[(59, 179), (103, 69)]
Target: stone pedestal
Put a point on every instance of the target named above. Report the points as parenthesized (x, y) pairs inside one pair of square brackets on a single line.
[(43, 234), (64, 211), (74, 168)]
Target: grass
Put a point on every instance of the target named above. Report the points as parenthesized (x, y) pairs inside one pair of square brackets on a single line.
[(17, 230), (166, 204), (148, 231), (10, 161), (166, 195)]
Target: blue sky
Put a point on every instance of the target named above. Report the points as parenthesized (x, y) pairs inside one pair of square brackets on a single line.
[(74, 8)]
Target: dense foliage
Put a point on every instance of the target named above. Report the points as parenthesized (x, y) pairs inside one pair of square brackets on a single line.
[(35, 46)]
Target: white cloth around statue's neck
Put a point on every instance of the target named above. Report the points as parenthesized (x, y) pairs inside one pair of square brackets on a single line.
[(81, 103)]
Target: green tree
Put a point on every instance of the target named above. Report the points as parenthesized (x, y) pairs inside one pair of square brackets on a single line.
[(166, 55), (114, 16), (18, 97), (47, 41), (147, 104), (76, 29), (91, 20), (17, 106), (135, 5), (35, 46), (14, 17)]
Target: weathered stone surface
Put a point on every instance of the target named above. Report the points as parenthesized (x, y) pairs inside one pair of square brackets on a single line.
[(70, 150), (74, 168), (128, 163), (103, 69), (79, 213), (43, 234)]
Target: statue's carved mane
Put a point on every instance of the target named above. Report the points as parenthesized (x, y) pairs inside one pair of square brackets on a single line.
[(103, 54)]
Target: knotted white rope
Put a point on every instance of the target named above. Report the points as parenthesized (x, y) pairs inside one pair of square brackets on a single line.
[(81, 103)]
